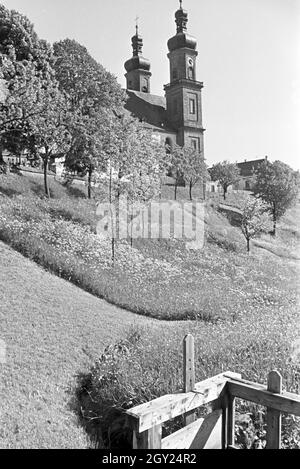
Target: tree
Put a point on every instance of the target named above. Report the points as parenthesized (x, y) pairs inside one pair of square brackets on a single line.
[(226, 173), (49, 133), (193, 168), (93, 94), (278, 185), (255, 219), (176, 165), (25, 73)]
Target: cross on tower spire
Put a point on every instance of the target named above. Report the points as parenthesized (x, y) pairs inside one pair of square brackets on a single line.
[(180, 1), (137, 25)]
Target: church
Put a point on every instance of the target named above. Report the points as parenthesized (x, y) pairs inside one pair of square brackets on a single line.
[(177, 116)]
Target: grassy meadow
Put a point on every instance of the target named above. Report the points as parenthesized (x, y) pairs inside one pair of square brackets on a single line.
[(242, 309)]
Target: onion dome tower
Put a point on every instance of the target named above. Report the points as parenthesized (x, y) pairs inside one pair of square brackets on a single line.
[(138, 68), (183, 93)]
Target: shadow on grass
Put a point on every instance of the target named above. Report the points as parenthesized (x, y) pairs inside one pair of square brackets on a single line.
[(76, 192), (9, 191), (105, 426)]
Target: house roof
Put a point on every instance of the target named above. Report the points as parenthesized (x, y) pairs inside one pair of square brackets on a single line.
[(247, 167)]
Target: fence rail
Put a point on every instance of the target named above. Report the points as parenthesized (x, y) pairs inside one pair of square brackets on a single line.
[(216, 430)]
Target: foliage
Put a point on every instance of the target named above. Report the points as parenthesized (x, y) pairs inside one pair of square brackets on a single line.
[(188, 164), (226, 173), (93, 95), (278, 185), (255, 219), (26, 72)]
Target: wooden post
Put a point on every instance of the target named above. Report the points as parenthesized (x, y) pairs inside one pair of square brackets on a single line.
[(274, 416), (227, 403), (231, 421), (189, 371), (150, 439)]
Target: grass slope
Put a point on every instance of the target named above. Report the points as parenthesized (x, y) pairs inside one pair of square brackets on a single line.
[(248, 306), (53, 331), (158, 278)]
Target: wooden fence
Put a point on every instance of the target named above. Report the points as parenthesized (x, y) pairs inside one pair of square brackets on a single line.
[(217, 429)]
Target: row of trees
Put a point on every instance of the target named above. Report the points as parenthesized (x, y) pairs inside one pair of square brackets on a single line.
[(58, 101), (276, 185)]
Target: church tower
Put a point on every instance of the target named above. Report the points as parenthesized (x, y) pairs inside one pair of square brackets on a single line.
[(183, 93), (138, 68)]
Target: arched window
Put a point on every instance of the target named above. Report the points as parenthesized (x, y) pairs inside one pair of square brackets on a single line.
[(191, 73)]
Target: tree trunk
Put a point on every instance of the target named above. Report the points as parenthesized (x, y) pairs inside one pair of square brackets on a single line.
[(47, 191), (90, 181), (3, 166), (191, 187), (225, 192), (111, 218), (175, 196), (248, 245), (274, 220), (1, 156)]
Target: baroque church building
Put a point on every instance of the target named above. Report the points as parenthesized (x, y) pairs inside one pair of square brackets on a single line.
[(177, 116)]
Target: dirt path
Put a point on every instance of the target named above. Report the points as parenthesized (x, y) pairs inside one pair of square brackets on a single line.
[(52, 331)]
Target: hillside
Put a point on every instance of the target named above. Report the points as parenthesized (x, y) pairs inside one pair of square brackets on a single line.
[(53, 331), (158, 278), (243, 311)]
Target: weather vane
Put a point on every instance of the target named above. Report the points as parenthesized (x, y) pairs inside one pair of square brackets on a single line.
[(137, 24)]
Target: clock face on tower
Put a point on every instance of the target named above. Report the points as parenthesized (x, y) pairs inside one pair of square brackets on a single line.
[(190, 62)]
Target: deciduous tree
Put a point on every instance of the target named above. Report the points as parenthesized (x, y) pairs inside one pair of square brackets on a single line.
[(278, 185), (226, 173), (255, 219)]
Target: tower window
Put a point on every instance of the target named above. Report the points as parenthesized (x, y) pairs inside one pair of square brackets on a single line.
[(195, 143), (191, 73), (192, 106)]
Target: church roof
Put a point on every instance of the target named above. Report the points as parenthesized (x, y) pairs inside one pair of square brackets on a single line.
[(147, 107)]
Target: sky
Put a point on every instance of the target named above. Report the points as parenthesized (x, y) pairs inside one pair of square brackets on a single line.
[(249, 61)]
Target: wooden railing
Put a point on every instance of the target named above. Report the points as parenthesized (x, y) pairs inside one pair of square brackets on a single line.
[(217, 429)]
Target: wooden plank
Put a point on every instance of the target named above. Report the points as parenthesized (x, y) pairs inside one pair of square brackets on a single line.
[(210, 433), (274, 416), (189, 372), (285, 402), (204, 433), (167, 407), (183, 438)]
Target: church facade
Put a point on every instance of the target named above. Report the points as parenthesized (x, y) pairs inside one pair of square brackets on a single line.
[(177, 116)]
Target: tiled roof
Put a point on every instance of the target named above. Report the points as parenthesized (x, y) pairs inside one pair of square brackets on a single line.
[(247, 167), (147, 107)]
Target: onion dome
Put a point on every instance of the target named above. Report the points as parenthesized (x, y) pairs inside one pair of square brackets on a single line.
[(137, 62), (182, 39)]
